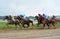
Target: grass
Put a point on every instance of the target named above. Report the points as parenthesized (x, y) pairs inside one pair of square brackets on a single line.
[(4, 26)]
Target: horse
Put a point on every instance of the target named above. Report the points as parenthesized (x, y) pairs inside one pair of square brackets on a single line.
[(24, 21), (41, 21), (46, 21), (11, 22), (53, 21)]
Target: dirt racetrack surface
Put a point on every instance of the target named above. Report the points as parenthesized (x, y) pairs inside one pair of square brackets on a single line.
[(30, 34)]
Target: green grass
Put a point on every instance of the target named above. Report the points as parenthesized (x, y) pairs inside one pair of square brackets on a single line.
[(4, 26)]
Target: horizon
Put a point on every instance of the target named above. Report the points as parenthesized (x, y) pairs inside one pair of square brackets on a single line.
[(29, 7)]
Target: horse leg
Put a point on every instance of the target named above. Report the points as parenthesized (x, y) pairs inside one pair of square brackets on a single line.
[(28, 25), (53, 25), (15, 26), (43, 26), (20, 26), (23, 25), (32, 23), (48, 25)]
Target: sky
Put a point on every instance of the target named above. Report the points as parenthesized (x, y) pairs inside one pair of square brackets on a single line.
[(29, 7)]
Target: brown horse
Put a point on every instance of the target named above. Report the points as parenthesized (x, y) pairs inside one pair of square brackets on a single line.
[(24, 21), (42, 21), (52, 21), (47, 22), (10, 21)]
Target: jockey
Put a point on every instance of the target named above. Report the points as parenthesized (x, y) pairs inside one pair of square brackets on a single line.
[(11, 17), (45, 16), (54, 17), (23, 16), (40, 16)]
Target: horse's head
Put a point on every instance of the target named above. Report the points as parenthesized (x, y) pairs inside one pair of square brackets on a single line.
[(5, 17), (18, 17), (36, 17)]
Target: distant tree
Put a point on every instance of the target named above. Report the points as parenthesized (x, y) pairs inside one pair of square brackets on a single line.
[(1, 17), (31, 17)]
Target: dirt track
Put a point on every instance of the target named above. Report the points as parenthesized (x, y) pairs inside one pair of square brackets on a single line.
[(30, 34)]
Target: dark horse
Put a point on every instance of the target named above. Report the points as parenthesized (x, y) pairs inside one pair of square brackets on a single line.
[(43, 21), (10, 21), (24, 21)]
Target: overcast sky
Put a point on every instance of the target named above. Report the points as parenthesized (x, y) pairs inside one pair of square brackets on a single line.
[(29, 7)]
